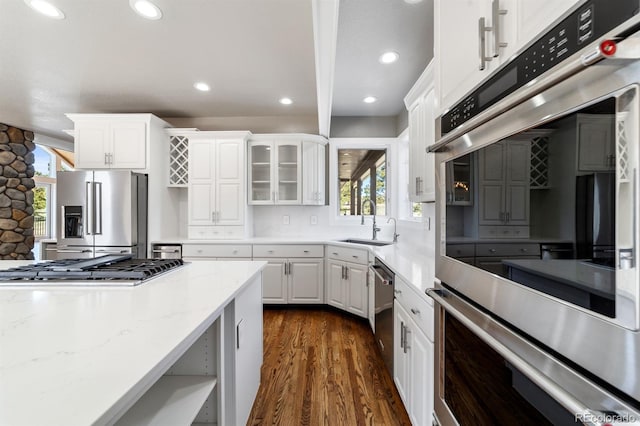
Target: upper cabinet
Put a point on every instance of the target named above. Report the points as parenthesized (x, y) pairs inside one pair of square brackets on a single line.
[(279, 172), (474, 38), (314, 176), (217, 185), (115, 141), (420, 102), (596, 142)]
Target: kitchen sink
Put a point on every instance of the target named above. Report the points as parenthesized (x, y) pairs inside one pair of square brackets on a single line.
[(367, 242)]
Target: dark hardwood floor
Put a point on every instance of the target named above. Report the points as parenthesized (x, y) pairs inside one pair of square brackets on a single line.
[(321, 367)]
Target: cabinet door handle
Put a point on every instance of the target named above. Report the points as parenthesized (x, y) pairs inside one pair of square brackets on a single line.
[(213, 217), (286, 268), (406, 339), (482, 29), (290, 268), (492, 250), (415, 311), (106, 156), (402, 334), (397, 291), (346, 272), (508, 216), (495, 15), (238, 335)]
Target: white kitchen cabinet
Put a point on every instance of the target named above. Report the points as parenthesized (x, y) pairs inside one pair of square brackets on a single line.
[(197, 251), (413, 353), (347, 284), (466, 55), (420, 102), (216, 188), (115, 141), (296, 278), (534, 16), (313, 173), (347, 288), (596, 142), (275, 172), (459, 40), (504, 179), (244, 344)]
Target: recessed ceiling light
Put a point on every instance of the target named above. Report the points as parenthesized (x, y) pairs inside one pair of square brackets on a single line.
[(45, 8), (201, 86), (146, 9), (388, 57), (286, 101), (369, 99)]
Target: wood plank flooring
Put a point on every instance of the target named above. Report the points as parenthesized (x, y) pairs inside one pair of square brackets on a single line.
[(322, 367)]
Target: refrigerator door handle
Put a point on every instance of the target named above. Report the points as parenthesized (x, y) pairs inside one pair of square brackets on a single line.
[(97, 194), (89, 223)]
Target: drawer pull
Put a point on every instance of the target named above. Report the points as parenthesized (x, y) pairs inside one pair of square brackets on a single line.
[(492, 250), (397, 291), (306, 251), (235, 251), (334, 253), (354, 256), (270, 251), (415, 311)]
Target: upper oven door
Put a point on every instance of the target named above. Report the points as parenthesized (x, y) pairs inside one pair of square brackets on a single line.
[(582, 308)]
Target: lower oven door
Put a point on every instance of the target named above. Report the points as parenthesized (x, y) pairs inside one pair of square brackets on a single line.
[(487, 374)]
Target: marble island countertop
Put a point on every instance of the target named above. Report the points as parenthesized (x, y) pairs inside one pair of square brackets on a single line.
[(74, 356), (577, 273)]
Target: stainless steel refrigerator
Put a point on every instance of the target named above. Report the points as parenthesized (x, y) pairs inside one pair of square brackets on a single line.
[(101, 212), (595, 217)]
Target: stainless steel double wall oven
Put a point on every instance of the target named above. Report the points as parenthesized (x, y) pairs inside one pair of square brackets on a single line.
[(549, 155)]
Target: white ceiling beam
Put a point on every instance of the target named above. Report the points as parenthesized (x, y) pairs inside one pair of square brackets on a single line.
[(325, 35)]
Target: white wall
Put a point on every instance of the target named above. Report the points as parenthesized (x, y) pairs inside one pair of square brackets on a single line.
[(266, 124)]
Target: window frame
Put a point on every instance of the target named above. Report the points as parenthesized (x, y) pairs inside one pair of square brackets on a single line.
[(389, 145)]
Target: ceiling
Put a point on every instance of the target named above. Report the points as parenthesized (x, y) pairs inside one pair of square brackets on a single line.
[(104, 58)]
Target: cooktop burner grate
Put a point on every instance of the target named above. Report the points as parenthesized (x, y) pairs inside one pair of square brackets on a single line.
[(98, 269)]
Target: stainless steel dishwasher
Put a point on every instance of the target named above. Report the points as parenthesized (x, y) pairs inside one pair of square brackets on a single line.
[(383, 296)]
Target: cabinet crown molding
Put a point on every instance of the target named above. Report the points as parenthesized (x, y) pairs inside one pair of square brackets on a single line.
[(306, 137)]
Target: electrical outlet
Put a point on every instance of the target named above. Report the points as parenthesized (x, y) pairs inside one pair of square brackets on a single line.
[(314, 219), (285, 219)]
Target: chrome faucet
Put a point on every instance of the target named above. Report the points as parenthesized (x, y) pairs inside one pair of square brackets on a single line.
[(395, 228), (373, 215)]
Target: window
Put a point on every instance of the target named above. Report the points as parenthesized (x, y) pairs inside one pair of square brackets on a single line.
[(362, 176), (46, 162)]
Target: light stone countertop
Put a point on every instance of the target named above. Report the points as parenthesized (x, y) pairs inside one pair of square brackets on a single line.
[(414, 264), (577, 273), (74, 355)]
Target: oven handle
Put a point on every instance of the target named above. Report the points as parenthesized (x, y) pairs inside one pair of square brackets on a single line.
[(383, 280), (589, 416)]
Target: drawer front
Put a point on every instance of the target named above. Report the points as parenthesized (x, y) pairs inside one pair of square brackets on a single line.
[(216, 250), (348, 254), (461, 250), (288, 250), (215, 232), (419, 308), (526, 249), (503, 231)]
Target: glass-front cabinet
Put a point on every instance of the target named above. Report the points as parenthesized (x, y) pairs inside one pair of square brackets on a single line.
[(275, 172)]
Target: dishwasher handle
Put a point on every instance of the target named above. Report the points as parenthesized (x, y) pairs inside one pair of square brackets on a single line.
[(384, 280)]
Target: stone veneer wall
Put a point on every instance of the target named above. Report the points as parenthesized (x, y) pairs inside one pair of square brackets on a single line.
[(16, 193)]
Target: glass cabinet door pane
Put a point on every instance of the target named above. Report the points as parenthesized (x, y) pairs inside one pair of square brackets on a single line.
[(260, 172), (288, 172)]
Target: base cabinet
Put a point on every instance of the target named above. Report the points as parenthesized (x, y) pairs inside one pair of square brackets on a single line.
[(348, 287), (413, 367), (294, 273)]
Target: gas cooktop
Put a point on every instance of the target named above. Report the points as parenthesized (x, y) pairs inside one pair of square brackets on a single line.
[(110, 270)]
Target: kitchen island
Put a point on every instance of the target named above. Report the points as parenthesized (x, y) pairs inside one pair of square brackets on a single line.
[(86, 355)]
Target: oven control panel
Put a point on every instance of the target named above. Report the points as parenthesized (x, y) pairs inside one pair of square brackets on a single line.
[(593, 19)]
